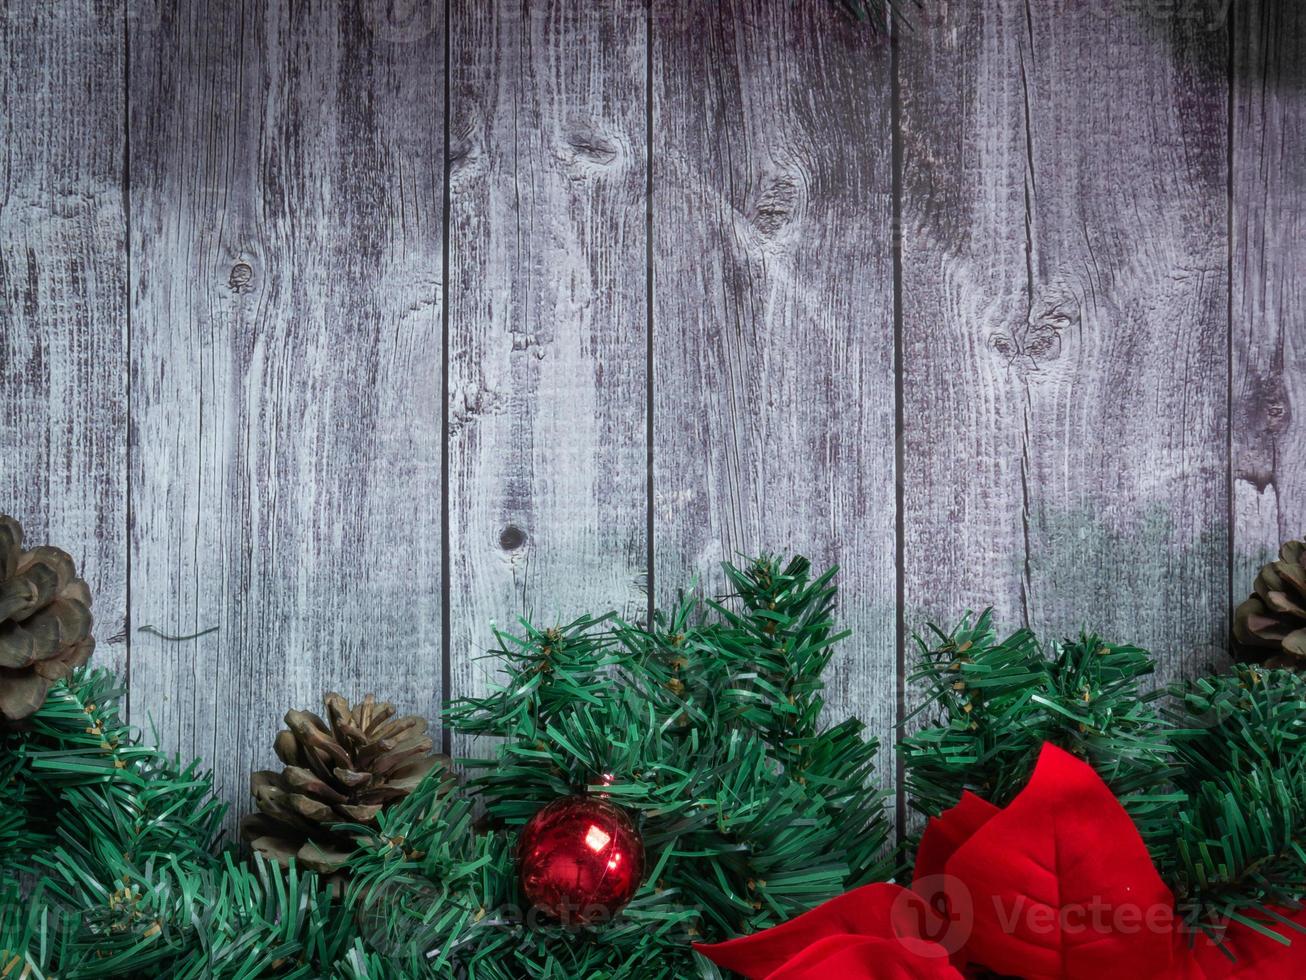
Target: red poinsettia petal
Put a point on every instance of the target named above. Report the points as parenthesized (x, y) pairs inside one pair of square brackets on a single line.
[(1248, 954), (1060, 884), (865, 958), (948, 831), (880, 911)]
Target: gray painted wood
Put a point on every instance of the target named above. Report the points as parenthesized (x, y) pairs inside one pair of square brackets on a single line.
[(63, 323), (546, 413), (773, 322), (1077, 446), (1269, 295), (965, 290), (1065, 321), (287, 166)]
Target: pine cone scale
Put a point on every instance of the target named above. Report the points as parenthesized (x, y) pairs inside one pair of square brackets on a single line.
[(401, 727), (39, 576), (350, 778), (21, 693), (384, 794), (1280, 603), (306, 781), (287, 749), (360, 812), (58, 626), (314, 811), (1281, 580), (1295, 643), (11, 547), (322, 859), (314, 740), (317, 761), (386, 763), (61, 667), (416, 769)]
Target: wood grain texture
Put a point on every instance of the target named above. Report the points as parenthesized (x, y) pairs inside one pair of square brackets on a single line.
[(773, 347), (235, 372), (1065, 322), (63, 323), (287, 169), (546, 413), (1268, 308), (964, 292)]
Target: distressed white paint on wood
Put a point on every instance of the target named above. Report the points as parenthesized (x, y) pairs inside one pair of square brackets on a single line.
[(547, 318), (773, 314), (63, 411), (964, 293), (1269, 292), (1065, 323), (287, 167)]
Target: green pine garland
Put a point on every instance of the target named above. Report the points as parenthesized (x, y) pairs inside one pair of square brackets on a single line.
[(1003, 699), (1240, 841), (706, 727), (122, 843), (1214, 774)]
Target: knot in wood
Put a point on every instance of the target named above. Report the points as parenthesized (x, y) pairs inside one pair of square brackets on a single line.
[(593, 149), (1278, 413), (511, 538), (242, 275), (779, 204), (589, 150)]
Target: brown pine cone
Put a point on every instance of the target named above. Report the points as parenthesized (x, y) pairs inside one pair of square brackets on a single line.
[(343, 772), (45, 622), (1270, 626)]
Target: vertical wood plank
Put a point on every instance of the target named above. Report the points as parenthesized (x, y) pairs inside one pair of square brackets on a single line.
[(287, 175), (965, 288), (547, 457), (1065, 325), (773, 352), (63, 325), (1269, 294)]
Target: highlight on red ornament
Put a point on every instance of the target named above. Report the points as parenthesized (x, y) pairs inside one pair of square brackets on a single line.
[(580, 860)]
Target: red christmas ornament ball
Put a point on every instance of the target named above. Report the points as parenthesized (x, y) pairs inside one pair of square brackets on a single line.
[(580, 860)]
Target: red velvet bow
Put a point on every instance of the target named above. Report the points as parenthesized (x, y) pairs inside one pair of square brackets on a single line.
[(1056, 886)]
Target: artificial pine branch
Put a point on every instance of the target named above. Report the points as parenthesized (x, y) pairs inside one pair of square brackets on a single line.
[(709, 732), (705, 726), (999, 701), (1213, 773), (129, 882), (1239, 846)]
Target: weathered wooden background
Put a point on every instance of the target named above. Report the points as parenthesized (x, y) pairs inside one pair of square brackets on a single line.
[(345, 329)]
